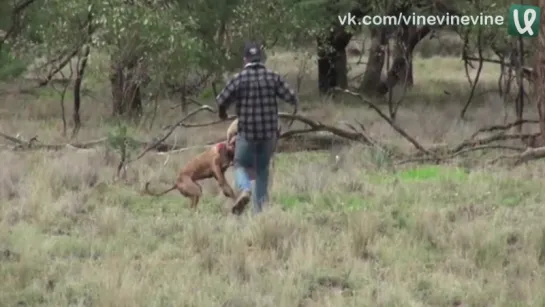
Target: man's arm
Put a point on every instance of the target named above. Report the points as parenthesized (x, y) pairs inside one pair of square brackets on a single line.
[(284, 91), (227, 95)]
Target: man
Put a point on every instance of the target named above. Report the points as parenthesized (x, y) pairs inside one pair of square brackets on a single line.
[(254, 90)]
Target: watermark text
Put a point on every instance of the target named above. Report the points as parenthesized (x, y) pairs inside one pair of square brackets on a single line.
[(422, 20)]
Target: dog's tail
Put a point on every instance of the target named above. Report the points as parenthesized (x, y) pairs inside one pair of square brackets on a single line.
[(147, 190)]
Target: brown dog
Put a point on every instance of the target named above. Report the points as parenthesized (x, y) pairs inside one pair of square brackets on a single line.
[(212, 163), (231, 140)]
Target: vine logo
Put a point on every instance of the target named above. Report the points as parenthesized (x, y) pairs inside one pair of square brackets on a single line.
[(523, 20)]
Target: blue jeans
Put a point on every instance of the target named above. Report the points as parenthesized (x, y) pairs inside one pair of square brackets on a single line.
[(256, 155)]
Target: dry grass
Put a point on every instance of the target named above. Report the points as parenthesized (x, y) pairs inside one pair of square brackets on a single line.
[(366, 235)]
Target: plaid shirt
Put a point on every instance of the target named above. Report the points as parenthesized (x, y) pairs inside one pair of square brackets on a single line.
[(254, 90)]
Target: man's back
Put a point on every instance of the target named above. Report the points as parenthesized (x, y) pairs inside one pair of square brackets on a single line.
[(254, 90)]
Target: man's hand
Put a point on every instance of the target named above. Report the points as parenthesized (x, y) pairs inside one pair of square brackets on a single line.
[(222, 113), (295, 109)]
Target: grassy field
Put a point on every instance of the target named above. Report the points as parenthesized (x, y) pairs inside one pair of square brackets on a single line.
[(363, 235)]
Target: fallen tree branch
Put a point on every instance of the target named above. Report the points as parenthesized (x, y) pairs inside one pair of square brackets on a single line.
[(205, 124), (311, 138), (315, 126), (504, 127), (200, 147), (13, 139), (315, 142), (34, 144), (528, 155), (494, 138), (389, 121), (459, 153)]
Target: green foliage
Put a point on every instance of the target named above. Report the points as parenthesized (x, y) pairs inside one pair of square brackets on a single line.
[(177, 42), (120, 141), (10, 66), (173, 37), (208, 93)]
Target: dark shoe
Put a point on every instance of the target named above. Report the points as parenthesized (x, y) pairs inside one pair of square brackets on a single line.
[(241, 202)]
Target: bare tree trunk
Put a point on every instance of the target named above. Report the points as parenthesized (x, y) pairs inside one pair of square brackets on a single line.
[(116, 83), (402, 52), (332, 60), (401, 70), (332, 57), (326, 80), (539, 89), (519, 102), (77, 90), (125, 86), (375, 63), (341, 65)]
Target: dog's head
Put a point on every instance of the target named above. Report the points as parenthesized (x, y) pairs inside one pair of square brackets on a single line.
[(227, 149), (230, 150)]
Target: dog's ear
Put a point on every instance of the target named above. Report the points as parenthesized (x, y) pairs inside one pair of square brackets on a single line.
[(226, 150), (222, 148)]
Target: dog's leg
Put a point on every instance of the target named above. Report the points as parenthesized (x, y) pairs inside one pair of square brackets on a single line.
[(190, 189), (222, 182), (227, 190), (194, 202)]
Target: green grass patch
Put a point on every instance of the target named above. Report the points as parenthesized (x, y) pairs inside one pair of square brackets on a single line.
[(425, 173), (432, 172)]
